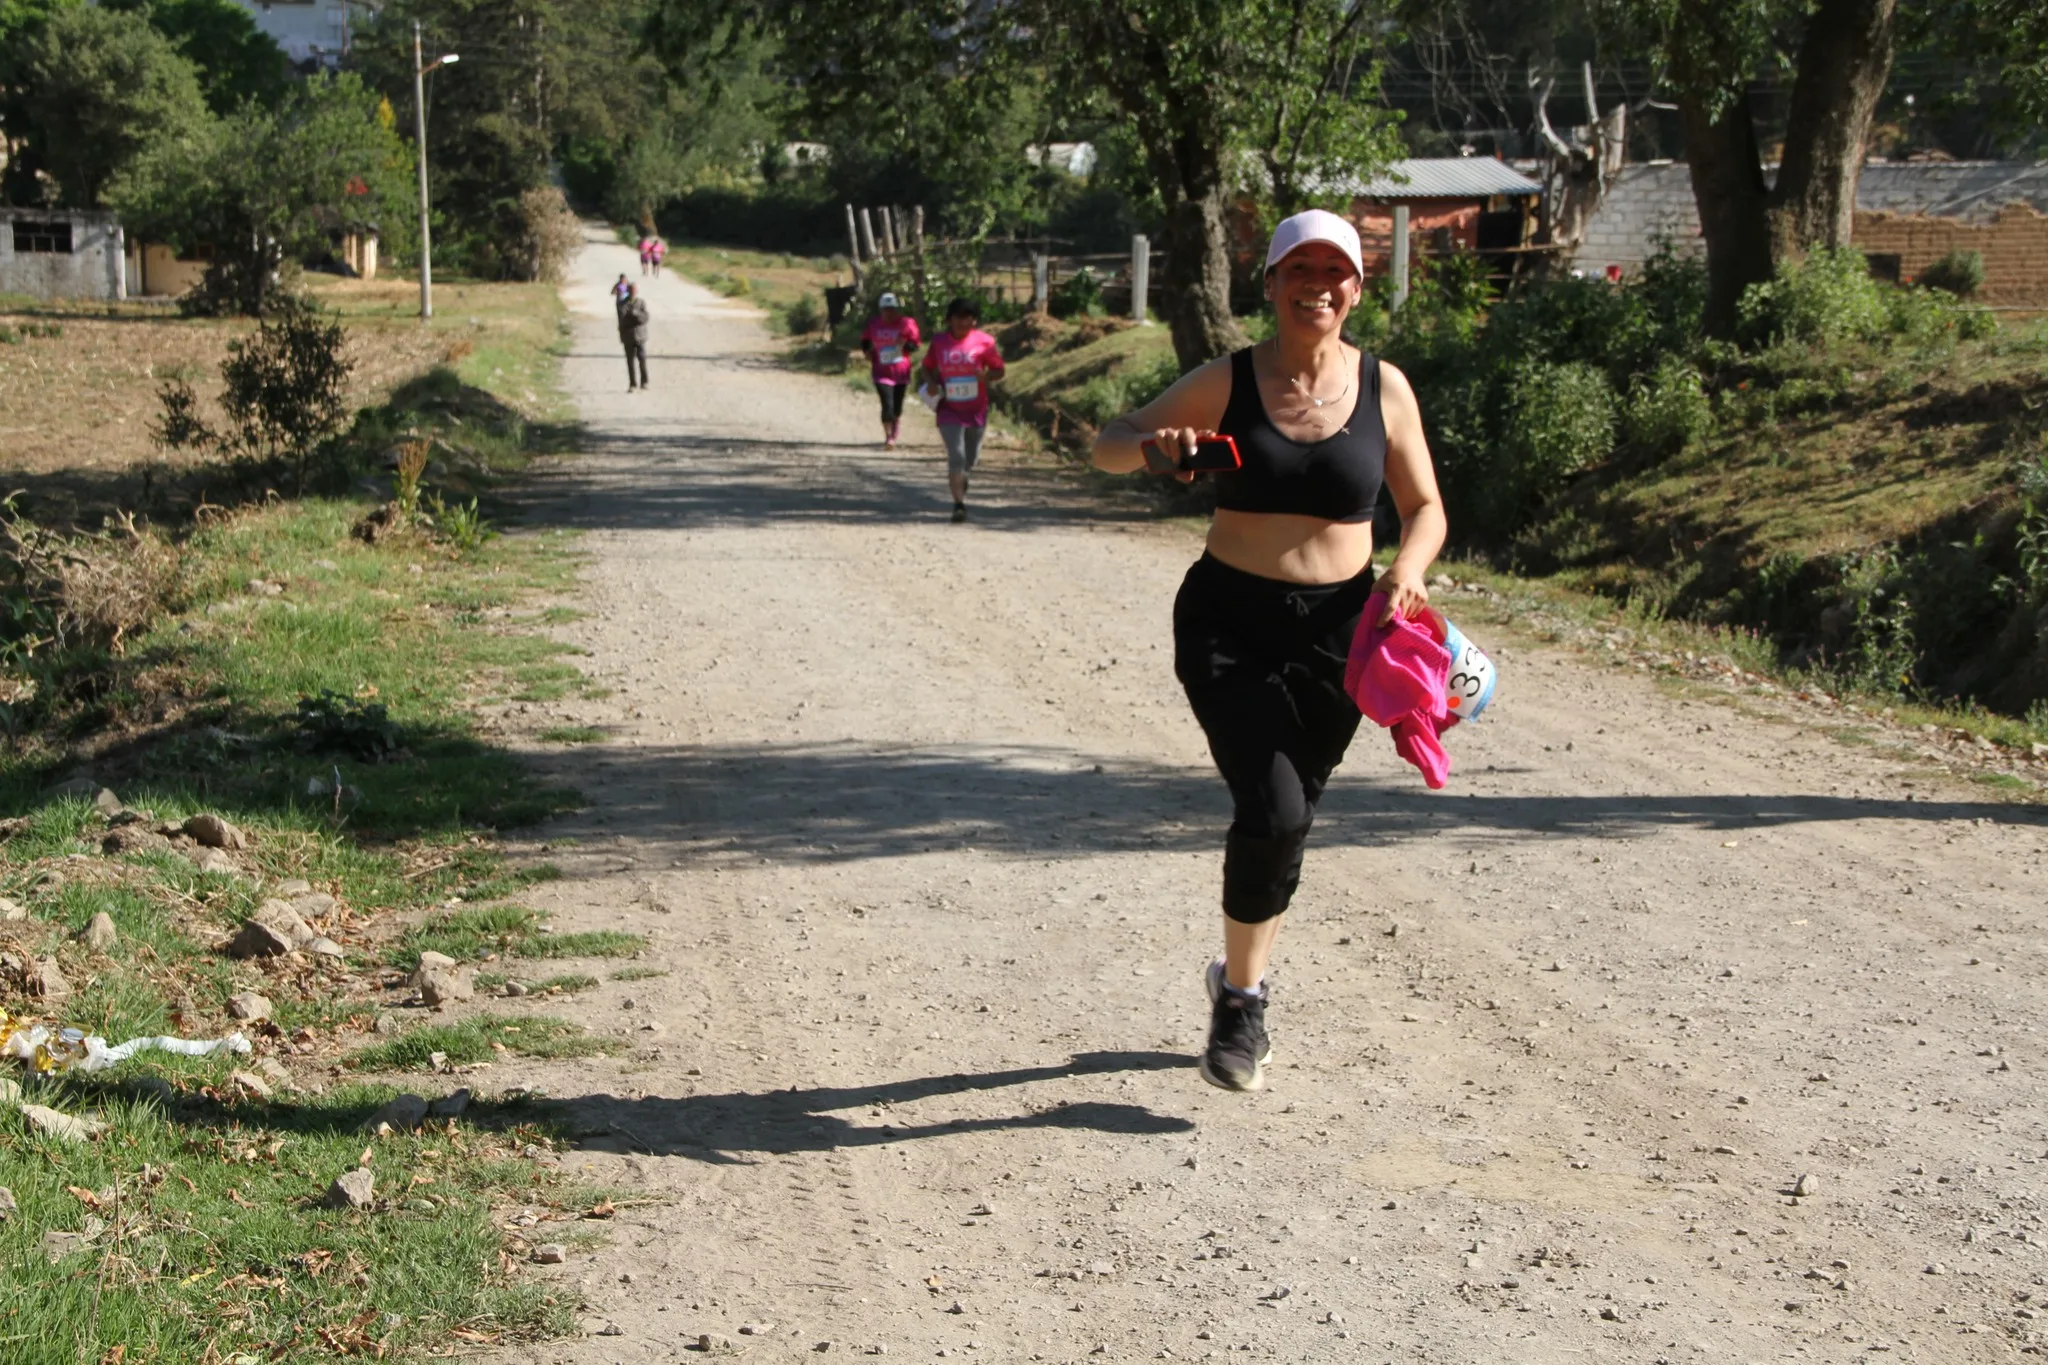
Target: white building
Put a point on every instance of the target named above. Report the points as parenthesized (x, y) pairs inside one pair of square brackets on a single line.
[(307, 30)]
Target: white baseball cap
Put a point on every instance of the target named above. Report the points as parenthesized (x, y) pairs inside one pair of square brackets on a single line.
[(1314, 225), (888, 301)]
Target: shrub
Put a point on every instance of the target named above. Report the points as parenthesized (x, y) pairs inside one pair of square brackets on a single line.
[(460, 524), (1923, 317), (1960, 273), (285, 394), (2032, 531), (804, 316), (1827, 298), (549, 234), (1555, 420), (1077, 294), (286, 387), (1667, 410), (90, 592)]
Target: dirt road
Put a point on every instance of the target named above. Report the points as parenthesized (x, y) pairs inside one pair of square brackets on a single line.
[(924, 838)]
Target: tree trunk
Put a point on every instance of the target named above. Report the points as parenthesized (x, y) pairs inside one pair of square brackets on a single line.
[(1196, 298), (1728, 186), (1843, 62)]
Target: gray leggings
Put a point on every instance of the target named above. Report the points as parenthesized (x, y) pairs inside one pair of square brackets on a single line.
[(963, 446)]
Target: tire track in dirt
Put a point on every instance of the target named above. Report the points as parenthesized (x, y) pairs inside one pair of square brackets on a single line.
[(918, 826)]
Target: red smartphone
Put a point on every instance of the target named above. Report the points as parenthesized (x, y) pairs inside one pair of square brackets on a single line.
[(1212, 455)]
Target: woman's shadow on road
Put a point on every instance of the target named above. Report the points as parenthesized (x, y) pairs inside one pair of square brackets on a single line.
[(723, 1128)]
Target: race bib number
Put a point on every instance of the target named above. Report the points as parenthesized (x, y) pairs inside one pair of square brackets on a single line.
[(962, 388), (891, 354), (1469, 688)]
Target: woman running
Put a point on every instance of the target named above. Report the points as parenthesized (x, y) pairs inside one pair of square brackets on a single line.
[(646, 253), (962, 361), (1264, 619), (889, 340)]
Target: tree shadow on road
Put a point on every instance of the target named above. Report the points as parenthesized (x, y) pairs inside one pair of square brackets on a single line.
[(839, 802), (720, 1128), (710, 481)]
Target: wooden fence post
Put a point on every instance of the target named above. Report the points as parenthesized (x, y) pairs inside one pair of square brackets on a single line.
[(1400, 262), (1041, 266), (1141, 275), (891, 243), (917, 263), (867, 234), (853, 244)]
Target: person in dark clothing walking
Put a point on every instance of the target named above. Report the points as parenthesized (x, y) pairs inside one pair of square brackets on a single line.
[(633, 336)]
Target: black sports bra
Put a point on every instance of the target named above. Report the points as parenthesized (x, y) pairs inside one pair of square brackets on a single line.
[(1337, 479)]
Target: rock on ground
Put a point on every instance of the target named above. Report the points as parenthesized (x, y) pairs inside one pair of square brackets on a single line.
[(215, 832), (356, 1189), (63, 1127)]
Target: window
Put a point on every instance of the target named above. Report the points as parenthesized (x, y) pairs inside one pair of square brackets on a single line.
[(48, 238)]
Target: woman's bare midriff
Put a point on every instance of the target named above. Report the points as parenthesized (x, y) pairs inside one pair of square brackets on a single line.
[(1291, 548)]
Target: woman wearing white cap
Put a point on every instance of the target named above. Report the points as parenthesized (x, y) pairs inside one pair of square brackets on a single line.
[(1264, 619), (889, 340)]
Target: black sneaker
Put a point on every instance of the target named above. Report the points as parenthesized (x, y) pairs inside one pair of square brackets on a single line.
[(1238, 1046), (959, 512)]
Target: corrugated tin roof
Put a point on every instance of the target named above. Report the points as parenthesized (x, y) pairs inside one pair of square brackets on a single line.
[(1452, 177)]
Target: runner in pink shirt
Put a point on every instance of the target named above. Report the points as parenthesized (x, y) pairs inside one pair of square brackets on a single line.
[(958, 368), (889, 340)]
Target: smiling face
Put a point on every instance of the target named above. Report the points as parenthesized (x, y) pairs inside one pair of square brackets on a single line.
[(891, 316), (1313, 288), (960, 324)]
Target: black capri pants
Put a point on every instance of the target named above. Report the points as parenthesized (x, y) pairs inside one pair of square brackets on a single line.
[(1262, 661), (892, 400)]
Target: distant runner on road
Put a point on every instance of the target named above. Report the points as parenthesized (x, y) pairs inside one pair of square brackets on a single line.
[(962, 361), (1264, 620), (889, 340), (633, 334)]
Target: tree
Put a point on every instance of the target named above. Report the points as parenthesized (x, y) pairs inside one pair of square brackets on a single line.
[(538, 79), (237, 61), (1840, 53), (626, 156), (1201, 85), (95, 89), (262, 186)]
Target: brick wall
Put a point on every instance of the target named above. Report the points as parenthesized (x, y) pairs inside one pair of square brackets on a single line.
[(2014, 245), (1916, 211)]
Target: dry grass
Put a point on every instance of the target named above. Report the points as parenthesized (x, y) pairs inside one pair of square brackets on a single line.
[(76, 409)]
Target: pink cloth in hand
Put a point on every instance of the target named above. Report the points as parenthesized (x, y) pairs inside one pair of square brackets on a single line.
[(1416, 739), (1396, 673)]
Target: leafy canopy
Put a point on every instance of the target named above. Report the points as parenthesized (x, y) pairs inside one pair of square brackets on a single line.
[(237, 61), (96, 89), (262, 185)]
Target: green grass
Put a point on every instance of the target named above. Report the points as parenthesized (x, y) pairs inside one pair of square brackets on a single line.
[(572, 734), (638, 973), (471, 1041), (1558, 610), (198, 713), (218, 1248), (567, 984), (466, 934), (593, 943)]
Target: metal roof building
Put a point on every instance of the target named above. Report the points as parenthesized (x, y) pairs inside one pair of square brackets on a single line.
[(1454, 177)]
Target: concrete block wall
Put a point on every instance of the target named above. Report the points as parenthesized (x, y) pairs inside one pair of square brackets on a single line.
[(94, 268), (2014, 244), (1644, 204)]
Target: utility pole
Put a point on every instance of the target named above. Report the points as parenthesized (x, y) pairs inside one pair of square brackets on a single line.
[(419, 109)]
